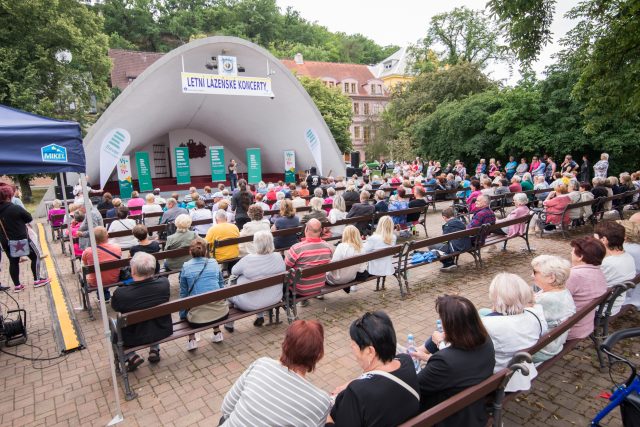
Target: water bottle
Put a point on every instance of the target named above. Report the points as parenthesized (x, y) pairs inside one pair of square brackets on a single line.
[(411, 348), (439, 325)]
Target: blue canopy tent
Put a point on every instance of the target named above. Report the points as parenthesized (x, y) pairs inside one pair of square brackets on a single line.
[(35, 144)]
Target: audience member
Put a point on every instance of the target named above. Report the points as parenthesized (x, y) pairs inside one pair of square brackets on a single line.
[(350, 246), (520, 201), (337, 213), (316, 212), (451, 225), (586, 281), (141, 233), (240, 202), (158, 198), (515, 186), (135, 203), (550, 274), (151, 207), (145, 292), (311, 251), (106, 203), (257, 223), (56, 209), (182, 238), (363, 209), (618, 266), (286, 219), (420, 201), (514, 323), (172, 212), (113, 212), (224, 230), (265, 393), (467, 358), (199, 275), (201, 213), (122, 223), (382, 238), (555, 205), (388, 392), (261, 262)]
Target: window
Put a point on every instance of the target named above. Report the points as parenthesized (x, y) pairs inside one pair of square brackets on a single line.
[(380, 89), (356, 132), (376, 108), (356, 108), (373, 89), (331, 84), (366, 108), (366, 130), (353, 88), (388, 65), (346, 88)]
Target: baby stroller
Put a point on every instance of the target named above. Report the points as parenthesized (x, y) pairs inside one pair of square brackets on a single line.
[(624, 395)]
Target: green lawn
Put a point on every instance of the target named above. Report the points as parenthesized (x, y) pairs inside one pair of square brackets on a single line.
[(38, 194)]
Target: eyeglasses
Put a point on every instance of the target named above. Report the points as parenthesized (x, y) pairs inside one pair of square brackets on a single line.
[(360, 324)]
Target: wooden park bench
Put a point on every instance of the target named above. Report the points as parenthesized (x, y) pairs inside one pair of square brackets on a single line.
[(181, 328)]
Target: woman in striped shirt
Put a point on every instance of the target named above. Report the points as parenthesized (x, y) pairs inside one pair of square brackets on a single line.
[(276, 393)]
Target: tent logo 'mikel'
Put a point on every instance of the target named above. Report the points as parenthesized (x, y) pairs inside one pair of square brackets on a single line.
[(54, 153)]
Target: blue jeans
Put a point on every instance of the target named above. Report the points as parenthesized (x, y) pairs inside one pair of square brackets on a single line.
[(233, 178)]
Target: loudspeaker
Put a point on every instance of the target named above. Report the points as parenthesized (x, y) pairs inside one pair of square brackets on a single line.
[(69, 191), (355, 159)]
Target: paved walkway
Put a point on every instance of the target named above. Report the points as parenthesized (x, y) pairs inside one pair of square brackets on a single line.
[(188, 388)]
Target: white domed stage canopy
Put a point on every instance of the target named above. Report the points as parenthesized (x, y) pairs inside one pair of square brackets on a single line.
[(158, 112)]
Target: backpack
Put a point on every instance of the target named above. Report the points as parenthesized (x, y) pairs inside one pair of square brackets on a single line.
[(168, 230)]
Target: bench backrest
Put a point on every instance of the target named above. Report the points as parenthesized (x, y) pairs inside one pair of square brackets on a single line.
[(491, 228), (424, 243), (119, 263), (134, 317)]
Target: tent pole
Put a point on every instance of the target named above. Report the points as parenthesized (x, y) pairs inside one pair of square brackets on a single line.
[(103, 308), (66, 208)]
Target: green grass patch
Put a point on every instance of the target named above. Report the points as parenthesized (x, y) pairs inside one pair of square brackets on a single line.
[(38, 194)]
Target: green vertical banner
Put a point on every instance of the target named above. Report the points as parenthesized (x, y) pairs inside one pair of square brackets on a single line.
[(289, 166), (124, 177), (254, 166), (218, 168), (144, 171), (183, 171)]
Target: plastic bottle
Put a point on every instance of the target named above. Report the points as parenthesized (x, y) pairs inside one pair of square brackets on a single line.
[(439, 325), (411, 348)]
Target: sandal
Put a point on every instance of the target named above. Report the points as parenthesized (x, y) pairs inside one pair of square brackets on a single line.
[(154, 356), (133, 363)]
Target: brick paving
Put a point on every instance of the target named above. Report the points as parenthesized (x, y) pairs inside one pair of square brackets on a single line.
[(188, 388)]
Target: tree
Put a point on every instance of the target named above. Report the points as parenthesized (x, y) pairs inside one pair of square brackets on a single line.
[(32, 79), (336, 110), (526, 23), (463, 35)]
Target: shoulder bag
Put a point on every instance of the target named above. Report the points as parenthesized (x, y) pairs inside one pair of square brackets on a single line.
[(17, 248)]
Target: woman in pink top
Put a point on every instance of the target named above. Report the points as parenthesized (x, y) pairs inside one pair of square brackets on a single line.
[(554, 206), (135, 204), (56, 210), (475, 192), (520, 201), (586, 281)]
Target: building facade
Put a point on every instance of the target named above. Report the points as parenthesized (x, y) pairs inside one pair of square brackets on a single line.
[(394, 69)]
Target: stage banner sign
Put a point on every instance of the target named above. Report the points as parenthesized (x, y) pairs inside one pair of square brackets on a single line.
[(144, 171), (183, 171), (311, 137), (112, 148), (289, 166), (254, 166), (218, 169), (217, 84), (124, 177)]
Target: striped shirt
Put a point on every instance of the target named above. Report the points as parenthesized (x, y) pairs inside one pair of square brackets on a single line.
[(308, 253), (269, 394)]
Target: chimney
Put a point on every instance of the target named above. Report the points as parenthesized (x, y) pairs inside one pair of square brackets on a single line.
[(298, 58)]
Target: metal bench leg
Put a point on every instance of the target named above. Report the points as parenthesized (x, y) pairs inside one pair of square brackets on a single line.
[(271, 316), (596, 342), (129, 394), (398, 277)]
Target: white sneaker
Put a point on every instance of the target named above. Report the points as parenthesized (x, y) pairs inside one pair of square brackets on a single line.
[(354, 288), (192, 345), (217, 338)]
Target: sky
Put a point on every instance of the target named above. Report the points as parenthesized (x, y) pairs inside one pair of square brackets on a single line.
[(403, 22)]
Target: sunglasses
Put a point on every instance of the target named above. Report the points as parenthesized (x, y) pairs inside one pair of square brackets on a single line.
[(360, 324)]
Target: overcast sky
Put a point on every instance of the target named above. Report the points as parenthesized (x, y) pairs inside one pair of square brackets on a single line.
[(401, 22)]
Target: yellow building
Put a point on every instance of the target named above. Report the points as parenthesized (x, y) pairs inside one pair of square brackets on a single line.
[(393, 69)]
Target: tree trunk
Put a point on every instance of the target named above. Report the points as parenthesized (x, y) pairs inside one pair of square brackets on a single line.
[(24, 181)]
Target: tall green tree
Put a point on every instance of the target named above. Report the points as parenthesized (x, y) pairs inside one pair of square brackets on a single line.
[(32, 32), (463, 35), (336, 110)]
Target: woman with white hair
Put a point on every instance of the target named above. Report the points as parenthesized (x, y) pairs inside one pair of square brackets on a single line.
[(550, 273), (520, 201), (515, 322), (262, 262), (182, 238), (316, 211), (337, 213), (151, 207), (602, 166), (257, 223)]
